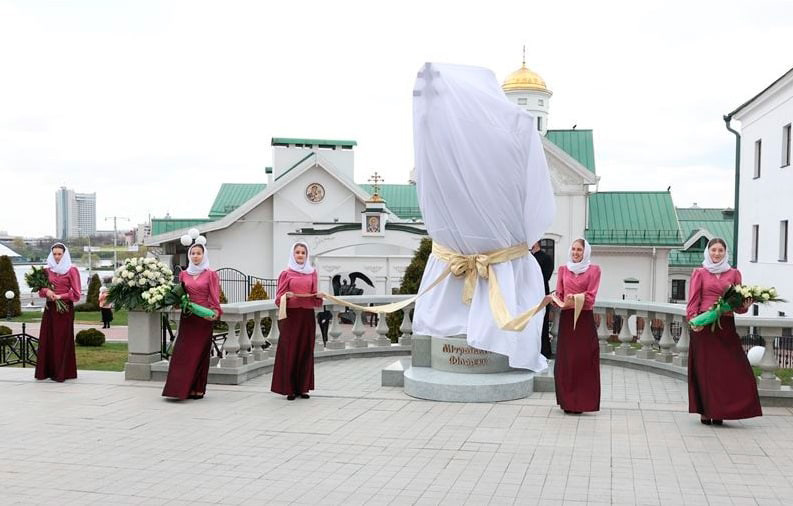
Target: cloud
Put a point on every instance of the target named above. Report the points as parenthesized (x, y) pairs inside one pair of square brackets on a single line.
[(154, 104)]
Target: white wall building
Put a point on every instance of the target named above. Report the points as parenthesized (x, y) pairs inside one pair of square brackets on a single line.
[(75, 214), (765, 209)]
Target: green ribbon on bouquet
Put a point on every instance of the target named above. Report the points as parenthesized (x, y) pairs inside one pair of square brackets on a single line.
[(712, 316)]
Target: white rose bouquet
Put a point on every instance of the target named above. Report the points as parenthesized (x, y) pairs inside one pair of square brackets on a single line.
[(734, 297)]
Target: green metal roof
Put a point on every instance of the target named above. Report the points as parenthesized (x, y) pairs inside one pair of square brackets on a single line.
[(231, 196), (633, 218), (577, 143), (166, 225), (401, 199), (323, 143), (716, 222)]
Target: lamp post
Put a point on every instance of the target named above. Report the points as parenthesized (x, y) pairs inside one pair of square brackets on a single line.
[(9, 297)]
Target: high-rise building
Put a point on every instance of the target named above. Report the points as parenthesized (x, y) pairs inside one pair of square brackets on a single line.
[(75, 214)]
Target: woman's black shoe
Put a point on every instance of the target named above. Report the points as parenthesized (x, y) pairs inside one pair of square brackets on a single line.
[(718, 422), (706, 421), (290, 397), (304, 396)]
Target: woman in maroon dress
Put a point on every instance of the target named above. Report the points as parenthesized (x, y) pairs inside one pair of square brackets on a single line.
[(721, 383), (576, 370), (293, 371), (189, 366), (55, 358)]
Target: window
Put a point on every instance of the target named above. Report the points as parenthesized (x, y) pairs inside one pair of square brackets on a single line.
[(755, 241), (548, 246), (541, 103), (539, 123), (679, 289), (758, 145), (786, 145), (783, 241), (522, 101)]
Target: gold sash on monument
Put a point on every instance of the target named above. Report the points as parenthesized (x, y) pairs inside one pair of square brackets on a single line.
[(471, 267)]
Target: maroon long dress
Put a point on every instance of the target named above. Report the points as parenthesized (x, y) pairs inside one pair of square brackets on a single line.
[(721, 383), (189, 366), (56, 357), (576, 370), (293, 371)]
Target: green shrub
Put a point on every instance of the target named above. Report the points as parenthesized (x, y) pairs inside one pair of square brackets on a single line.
[(257, 292), (410, 285), (8, 281), (92, 299), (90, 337), (4, 333)]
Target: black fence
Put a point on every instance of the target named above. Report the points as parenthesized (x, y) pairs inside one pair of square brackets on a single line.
[(169, 338), (783, 348), (18, 349), (236, 285)]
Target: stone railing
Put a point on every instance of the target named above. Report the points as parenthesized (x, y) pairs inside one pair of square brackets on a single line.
[(244, 356), (670, 352)]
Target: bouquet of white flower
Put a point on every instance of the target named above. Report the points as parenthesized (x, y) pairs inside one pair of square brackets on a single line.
[(734, 297), (145, 284), (140, 284)]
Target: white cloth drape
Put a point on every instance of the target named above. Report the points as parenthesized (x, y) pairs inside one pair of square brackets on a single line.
[(483, 184)]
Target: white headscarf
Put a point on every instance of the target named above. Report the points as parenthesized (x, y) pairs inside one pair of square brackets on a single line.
[(193, 269), (582, 266), (713, 267), (64, 265), (306, 268), (102, 289)]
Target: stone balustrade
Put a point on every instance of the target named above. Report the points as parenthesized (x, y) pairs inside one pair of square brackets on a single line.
[(245, 356)]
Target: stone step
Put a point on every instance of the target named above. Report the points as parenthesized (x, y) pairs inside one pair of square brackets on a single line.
[(432, 384), (394, 374)]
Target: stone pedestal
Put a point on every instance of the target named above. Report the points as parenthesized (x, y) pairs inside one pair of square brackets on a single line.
[(143, 344), (448, 369)]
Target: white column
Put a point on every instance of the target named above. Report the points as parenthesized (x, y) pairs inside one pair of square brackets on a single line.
[(258, 338), (319, 345), (768, 379), (406, 339), (382, 331), (358, 331), (667, 342), (682, 343), (275, 333), (245, 342), (603, 333), (231, 347), (647, 340), (625, 334), (334, 333)]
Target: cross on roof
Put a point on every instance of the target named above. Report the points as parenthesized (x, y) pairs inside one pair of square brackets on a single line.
[(376, 179)]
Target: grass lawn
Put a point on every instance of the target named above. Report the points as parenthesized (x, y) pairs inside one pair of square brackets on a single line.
[(786, 375), (119, 317), (108, 357)]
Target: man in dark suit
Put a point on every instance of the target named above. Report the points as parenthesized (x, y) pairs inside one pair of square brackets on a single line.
[(546, 265)]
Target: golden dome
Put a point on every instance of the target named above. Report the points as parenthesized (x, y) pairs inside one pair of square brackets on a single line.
[(524, 79)]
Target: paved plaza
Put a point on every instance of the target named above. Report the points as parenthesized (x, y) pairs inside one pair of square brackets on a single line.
[(101, 440)]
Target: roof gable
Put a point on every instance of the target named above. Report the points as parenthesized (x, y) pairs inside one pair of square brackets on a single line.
[(231, 196), (577, 143)]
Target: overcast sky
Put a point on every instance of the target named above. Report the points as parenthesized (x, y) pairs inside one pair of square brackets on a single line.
[(154, 104)]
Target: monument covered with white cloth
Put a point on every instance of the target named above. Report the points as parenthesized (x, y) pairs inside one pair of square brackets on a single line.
[(486, 197)]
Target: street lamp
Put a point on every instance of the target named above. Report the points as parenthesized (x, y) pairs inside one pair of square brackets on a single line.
[(9, 297)]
